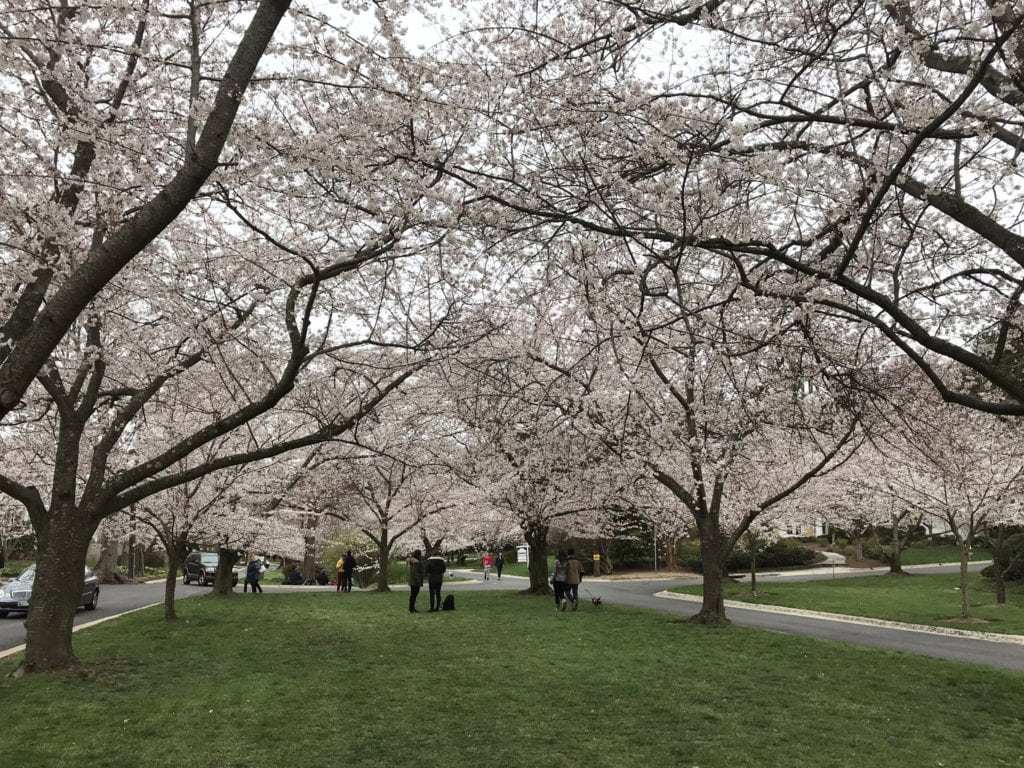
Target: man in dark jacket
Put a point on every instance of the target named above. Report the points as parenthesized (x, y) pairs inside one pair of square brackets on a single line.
[(348, 568), (436, 566), (415, 563)]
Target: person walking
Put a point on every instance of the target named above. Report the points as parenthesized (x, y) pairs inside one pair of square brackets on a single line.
[(348, 567), (499, 563), (435, 568), (252, 575), (560, 572), (487, 561), (415, 563), (573, 579)]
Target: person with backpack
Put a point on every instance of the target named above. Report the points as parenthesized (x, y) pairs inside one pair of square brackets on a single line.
[(573, 578), (435, 568), (558, 580)]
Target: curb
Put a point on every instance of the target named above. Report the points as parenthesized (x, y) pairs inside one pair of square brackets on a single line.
[(841, 617)]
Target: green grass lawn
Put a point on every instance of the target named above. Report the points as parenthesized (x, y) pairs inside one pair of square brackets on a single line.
[(323, 680), (917, 599)]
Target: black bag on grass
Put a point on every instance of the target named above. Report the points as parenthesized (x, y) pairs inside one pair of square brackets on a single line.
[(448, 604)]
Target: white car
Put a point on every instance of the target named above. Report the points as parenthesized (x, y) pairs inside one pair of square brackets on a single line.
[(15, 595)]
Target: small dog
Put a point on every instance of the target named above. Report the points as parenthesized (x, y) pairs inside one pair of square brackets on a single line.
[(595, 600)]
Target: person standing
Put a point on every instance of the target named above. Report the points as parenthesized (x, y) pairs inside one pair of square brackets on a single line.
[(435, 568), (252, 575), (487, 561), (499, 563), (560, 572), (340, 568), (415, 563), (573, 579), (348, 567)]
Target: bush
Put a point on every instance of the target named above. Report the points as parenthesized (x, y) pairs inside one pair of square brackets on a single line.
[(782, 553), (632, 550), (1012, 561)]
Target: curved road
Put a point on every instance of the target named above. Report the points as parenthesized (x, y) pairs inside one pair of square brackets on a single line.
[(1007, 653)]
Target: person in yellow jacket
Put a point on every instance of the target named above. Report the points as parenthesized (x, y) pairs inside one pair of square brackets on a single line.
[(340, 568)]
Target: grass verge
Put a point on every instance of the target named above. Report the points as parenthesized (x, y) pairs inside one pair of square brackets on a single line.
[(319, 680), (929, 599)]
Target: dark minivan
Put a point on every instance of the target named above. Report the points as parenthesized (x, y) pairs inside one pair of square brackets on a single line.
[(201, 567)]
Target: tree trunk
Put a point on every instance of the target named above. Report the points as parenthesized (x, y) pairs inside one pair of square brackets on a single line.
[(712, 555), (225, 569), (965, 598), (896, 562), (858, 547), (106, 567), (383, 554), (57, 592), (997, 575), (896, 556), (537, 539), (753, 571), (175, 557), (309, 557), (605, 564), (671, 561), (1002, 557)]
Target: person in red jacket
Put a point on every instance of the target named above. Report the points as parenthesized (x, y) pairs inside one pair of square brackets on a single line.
[(487, 561)]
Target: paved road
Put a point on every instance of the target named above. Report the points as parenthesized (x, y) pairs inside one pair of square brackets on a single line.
[(115, 599), (641, 593)]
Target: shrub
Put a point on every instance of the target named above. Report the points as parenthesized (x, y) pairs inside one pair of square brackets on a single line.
[(782, 553), (1012, 560)]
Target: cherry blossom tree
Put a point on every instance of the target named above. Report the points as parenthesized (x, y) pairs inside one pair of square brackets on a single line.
[(89, 179), (730, 402), (958, 468), (858, 162), (384, 479), (280, 310), (531, 456), (858, 498)]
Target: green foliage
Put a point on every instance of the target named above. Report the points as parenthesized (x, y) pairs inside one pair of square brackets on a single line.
[(781, 553), (218, 685), (1010, 558), (14, 567), (633, 549)]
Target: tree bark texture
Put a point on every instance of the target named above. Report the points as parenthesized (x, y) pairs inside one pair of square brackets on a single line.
[(537, 539), (56, 593)]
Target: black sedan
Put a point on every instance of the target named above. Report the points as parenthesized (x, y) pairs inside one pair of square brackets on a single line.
[(15, 595)]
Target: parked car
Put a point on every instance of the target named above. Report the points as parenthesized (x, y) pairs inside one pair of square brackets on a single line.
[(15, 595), (201, 567)]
